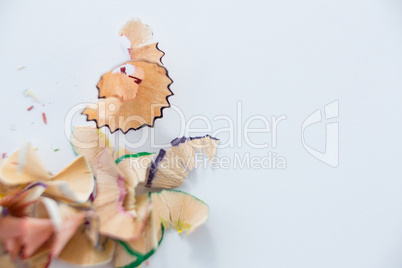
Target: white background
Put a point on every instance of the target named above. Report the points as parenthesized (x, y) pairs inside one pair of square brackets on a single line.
[(276, 57)]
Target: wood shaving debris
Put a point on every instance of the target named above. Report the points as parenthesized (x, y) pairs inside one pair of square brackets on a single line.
[(31, 94), (44, 118)]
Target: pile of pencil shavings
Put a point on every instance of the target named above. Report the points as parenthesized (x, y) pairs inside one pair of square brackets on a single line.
[(89, 212), (106, 206)]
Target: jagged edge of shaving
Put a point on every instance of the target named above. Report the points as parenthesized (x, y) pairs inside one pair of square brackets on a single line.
[(143, 125)]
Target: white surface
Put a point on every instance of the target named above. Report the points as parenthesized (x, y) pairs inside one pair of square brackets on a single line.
[(277, 57)]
